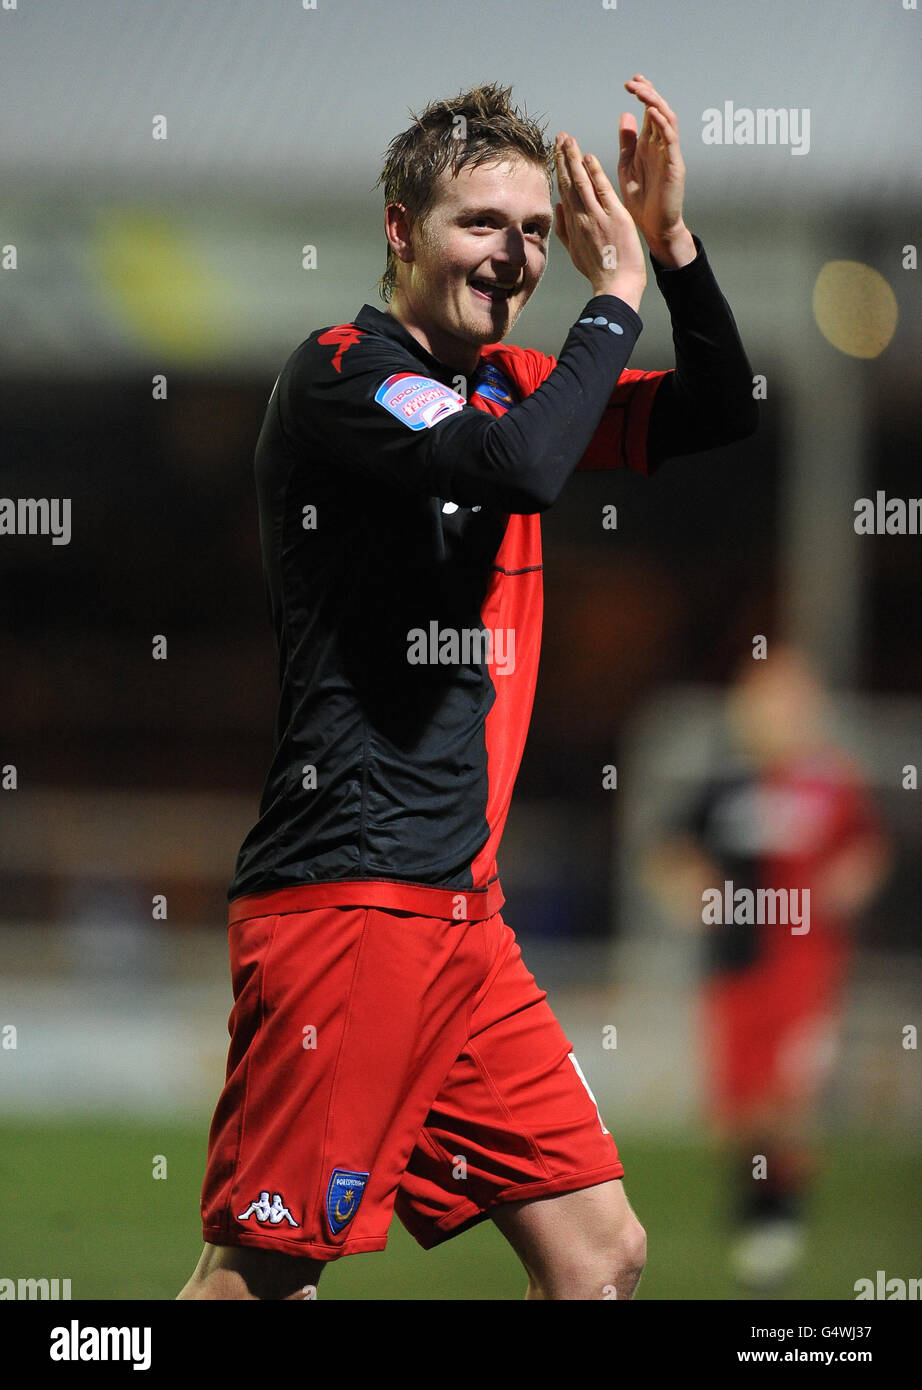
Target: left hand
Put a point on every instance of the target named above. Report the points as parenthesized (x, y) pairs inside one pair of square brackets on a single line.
[(651, 175)]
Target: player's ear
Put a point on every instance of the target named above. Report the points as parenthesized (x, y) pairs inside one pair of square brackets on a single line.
[(398, 230)]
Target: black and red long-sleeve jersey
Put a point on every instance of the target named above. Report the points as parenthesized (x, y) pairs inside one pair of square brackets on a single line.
[(399, 511)]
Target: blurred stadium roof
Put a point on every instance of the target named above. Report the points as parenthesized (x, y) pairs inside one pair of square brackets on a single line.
[(303, 101), (136, 254)]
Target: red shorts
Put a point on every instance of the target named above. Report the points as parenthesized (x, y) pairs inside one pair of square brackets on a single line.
[(770, 1033), (380, 1059)]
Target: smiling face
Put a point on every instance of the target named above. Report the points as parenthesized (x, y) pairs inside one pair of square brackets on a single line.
[(470, 266)]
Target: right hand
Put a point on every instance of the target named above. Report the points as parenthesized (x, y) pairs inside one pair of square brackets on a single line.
[(595, 227)]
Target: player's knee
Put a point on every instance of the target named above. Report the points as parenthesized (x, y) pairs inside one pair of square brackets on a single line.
[(222, 1285), (232, 1273), (605, 1264), (227, 1285), (630, 1256), (619, 1261)]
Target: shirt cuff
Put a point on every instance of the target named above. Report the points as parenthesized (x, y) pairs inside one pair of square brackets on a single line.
[(671, 270), (609, 306)]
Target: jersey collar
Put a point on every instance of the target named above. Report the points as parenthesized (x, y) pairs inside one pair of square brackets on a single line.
[(375, 321)]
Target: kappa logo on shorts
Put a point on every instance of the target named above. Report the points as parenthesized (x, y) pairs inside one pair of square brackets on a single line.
[(273, 1213), (344, 1193), (419, 401)]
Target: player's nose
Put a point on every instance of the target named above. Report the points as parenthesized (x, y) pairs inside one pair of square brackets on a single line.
[(514, 253)]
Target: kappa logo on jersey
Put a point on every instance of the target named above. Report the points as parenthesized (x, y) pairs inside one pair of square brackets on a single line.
[(345, 335), (419, 401), (272, 1213), (344, 1193)]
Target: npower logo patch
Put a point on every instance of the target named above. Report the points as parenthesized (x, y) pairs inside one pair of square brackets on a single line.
[(419, 402)]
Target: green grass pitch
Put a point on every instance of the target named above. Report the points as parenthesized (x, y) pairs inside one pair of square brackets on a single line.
[(79, 1201)]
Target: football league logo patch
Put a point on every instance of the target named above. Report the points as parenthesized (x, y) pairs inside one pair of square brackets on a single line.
[(344, 1193), (418, 401)]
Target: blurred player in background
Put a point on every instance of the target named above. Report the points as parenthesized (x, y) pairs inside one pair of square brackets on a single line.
[(794, 816), (389, 1049)]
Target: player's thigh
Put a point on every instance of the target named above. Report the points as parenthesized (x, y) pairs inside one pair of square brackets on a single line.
[(593, 1228)]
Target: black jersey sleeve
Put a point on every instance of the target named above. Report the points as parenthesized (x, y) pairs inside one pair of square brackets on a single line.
[(348, 414), (707, 400)]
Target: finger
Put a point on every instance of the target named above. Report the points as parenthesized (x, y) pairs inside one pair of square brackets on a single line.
[(601, 183), (627, 172), (647, 130), (645, 91), (652, 100), (569, 170), (560, 162), (582, 193), (627, 138), (665, 129), (560, 226)]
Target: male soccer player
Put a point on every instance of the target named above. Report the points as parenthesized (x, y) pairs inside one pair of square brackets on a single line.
[(389, 1049), (793, 822)]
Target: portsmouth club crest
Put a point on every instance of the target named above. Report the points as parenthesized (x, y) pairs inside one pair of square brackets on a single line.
[(490, 384), (344, 1193)]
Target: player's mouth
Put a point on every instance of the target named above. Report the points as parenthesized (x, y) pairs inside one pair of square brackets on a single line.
[(491, 291)]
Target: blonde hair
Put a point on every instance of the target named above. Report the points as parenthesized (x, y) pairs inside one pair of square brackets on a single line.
[(475, 127)]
